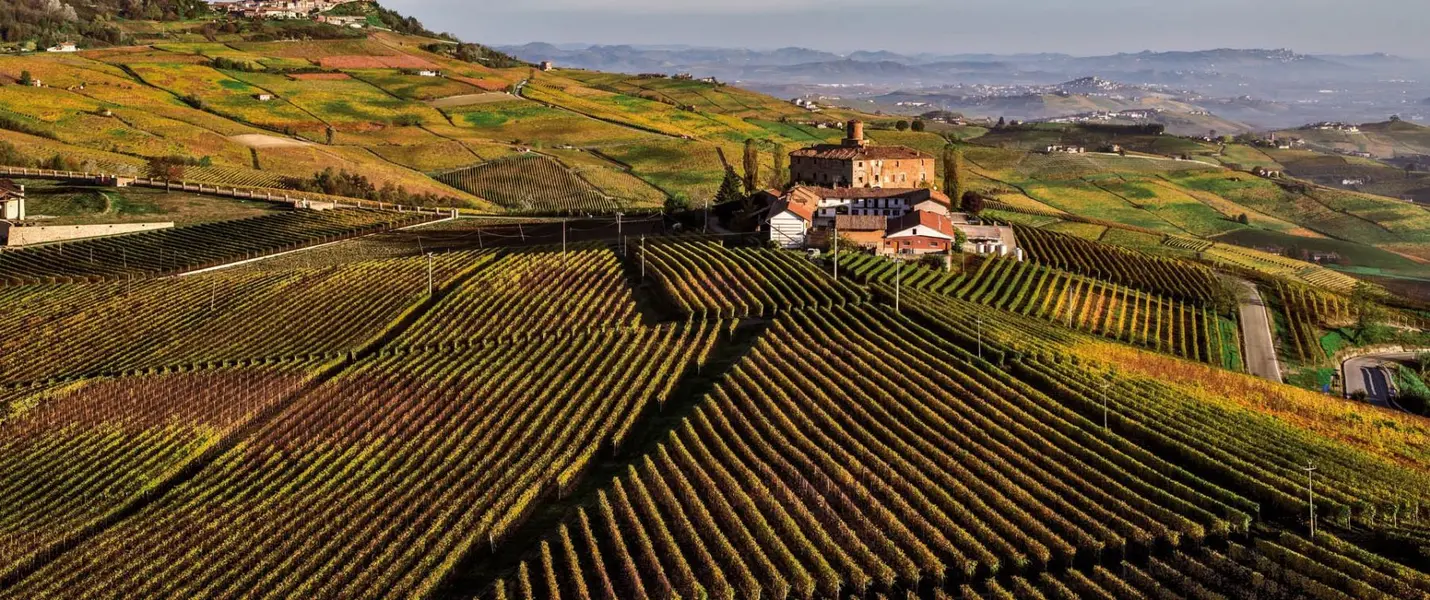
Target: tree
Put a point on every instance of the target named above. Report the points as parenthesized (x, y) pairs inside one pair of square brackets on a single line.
[(677, 203), (955, 182), (752, 166), (1001, 123), (331, 135), (166, 167), (972, 202), (919, 125), (959, 239), (902, 125), (778, 177), (11, 156), (730, 188), (1243, 219), (26, 79)]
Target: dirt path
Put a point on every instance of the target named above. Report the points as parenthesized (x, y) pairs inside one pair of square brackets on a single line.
[(1256, 332)]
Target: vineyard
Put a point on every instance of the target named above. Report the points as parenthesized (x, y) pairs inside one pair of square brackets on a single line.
[(804, 475), (536, 185), (373, 484), (532, 293), (111, 327), (706, 279), (1078, 302), (1166, 277), (181, 249), (1307, 311), (108, 438)]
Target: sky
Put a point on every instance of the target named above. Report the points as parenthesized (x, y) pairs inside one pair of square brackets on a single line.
[(1081, 27)]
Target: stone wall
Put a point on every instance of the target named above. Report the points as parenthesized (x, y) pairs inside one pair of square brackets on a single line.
[(26, 236)]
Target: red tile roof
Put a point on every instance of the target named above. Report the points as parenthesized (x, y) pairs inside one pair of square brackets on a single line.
[(860, 222), (934, 221)]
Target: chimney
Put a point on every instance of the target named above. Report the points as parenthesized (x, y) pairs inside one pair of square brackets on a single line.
[(855, 135)]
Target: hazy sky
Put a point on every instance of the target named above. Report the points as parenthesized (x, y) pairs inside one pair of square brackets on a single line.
[(946, 26)]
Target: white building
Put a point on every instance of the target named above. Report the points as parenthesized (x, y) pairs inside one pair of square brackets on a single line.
[(12, 201), (65, 47), (427, 73)]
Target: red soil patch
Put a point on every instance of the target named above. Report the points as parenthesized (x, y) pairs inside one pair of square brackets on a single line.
[(319, 76), (401, 61), (490, 85)]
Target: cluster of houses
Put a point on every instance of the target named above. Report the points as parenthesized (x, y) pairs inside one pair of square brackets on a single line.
[(290, 9), (881, 198)]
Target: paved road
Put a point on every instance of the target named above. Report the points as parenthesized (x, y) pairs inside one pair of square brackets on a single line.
[(1371, 374), (1256, 333)]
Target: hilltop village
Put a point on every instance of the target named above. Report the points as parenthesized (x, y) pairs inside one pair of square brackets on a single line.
[(881, 198)]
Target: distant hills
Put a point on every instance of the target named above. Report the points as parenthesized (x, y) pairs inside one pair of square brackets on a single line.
[(1264, 88)]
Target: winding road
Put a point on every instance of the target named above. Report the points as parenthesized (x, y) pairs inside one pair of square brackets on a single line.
[(1372, 375), (1260, 344)]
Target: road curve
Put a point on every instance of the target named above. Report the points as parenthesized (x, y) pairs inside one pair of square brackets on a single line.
[(1260, 344), (1372, 375)]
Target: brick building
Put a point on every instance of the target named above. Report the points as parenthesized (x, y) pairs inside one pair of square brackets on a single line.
[(854, 163)]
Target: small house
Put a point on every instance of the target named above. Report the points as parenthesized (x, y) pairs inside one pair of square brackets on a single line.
[(64, 47), (429, 73), (263, 97), (547, 66), (12, 200), (919, 233)]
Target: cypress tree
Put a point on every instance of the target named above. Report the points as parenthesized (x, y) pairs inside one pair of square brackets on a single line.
[(752, 167), (955, 180)]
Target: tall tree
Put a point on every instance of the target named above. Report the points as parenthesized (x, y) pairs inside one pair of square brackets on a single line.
[(955, 180), (752, 166), (729, 188), (778, 178)]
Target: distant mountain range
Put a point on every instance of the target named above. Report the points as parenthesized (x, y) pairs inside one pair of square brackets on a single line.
[(1265, 88)]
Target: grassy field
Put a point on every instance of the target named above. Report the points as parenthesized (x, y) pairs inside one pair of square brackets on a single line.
[(54, 203)]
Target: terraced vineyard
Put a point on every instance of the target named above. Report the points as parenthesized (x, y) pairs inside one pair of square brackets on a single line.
[(183, 249), (1308, 311), (1167, 277), (1078, 302), (71, 330), (374, 483), (708, 280), (535, 185)]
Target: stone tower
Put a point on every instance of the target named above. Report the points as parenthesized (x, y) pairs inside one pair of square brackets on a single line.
[(854, 138)]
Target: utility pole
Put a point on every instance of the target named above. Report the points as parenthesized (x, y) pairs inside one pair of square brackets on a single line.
[(836, 247), (706, 227), (213, 294), (1311, 498), (898, 282), (618, 226), (642, 258), (1105, 385), (429, 273), (980, 338), (563, 237)]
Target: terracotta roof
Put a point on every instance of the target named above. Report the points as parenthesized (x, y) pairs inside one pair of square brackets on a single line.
[(8, 188), (797, 204), (839, 152), (933, 221), (860, 222)]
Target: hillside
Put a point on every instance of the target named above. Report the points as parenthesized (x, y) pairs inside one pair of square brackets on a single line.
[(574, 381)]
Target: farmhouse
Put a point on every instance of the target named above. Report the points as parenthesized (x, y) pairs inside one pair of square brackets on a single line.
[(919, 233), (854, 163), (353, 21), (12, 200), (1061, 149), (63, 47), (547, 66), (429, 73), (865, 231), (263, 97)]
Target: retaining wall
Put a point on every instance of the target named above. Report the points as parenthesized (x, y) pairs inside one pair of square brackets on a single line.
[(25, 236)]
